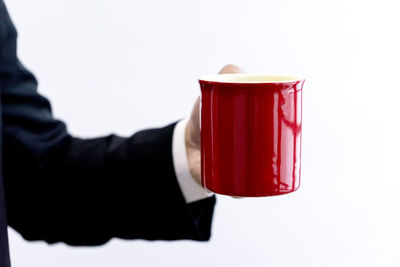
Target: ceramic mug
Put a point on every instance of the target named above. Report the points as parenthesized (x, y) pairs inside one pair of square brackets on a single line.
[(251, 134)]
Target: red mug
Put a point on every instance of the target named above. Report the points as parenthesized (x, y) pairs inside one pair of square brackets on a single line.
[(250, 134)]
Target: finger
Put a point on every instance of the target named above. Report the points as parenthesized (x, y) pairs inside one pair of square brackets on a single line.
[(230, 68), (195, 123)]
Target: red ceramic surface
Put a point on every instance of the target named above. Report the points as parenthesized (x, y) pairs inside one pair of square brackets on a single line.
[(251, 134)]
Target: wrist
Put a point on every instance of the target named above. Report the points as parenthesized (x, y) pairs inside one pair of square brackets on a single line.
[(186, 158)]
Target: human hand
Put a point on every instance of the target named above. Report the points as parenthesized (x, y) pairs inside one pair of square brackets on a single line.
[(192, 132)]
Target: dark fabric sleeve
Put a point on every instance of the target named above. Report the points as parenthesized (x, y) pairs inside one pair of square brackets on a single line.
[(86, 191)]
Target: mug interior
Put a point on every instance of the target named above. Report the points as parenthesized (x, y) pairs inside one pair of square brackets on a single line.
[(249, 78)]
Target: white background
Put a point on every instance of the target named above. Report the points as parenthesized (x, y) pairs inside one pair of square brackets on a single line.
[(120, 66)]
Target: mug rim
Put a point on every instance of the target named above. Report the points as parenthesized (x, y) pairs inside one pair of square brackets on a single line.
[(250, 78)]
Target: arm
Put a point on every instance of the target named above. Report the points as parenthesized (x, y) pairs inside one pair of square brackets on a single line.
[(84, 192)]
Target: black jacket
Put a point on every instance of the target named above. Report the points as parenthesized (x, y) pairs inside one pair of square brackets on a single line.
[(58, 188)]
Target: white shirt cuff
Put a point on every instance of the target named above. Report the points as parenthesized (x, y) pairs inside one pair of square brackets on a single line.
[(191, 190)]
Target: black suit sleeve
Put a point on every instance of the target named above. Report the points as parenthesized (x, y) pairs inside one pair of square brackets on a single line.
[(86, 191)]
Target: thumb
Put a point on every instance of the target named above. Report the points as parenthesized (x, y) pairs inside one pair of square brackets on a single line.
[(230, 68)]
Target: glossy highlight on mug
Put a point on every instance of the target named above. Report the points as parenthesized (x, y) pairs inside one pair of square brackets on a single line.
[(251, 134)]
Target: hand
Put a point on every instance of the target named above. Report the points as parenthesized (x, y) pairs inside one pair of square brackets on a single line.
[(192, 132)]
